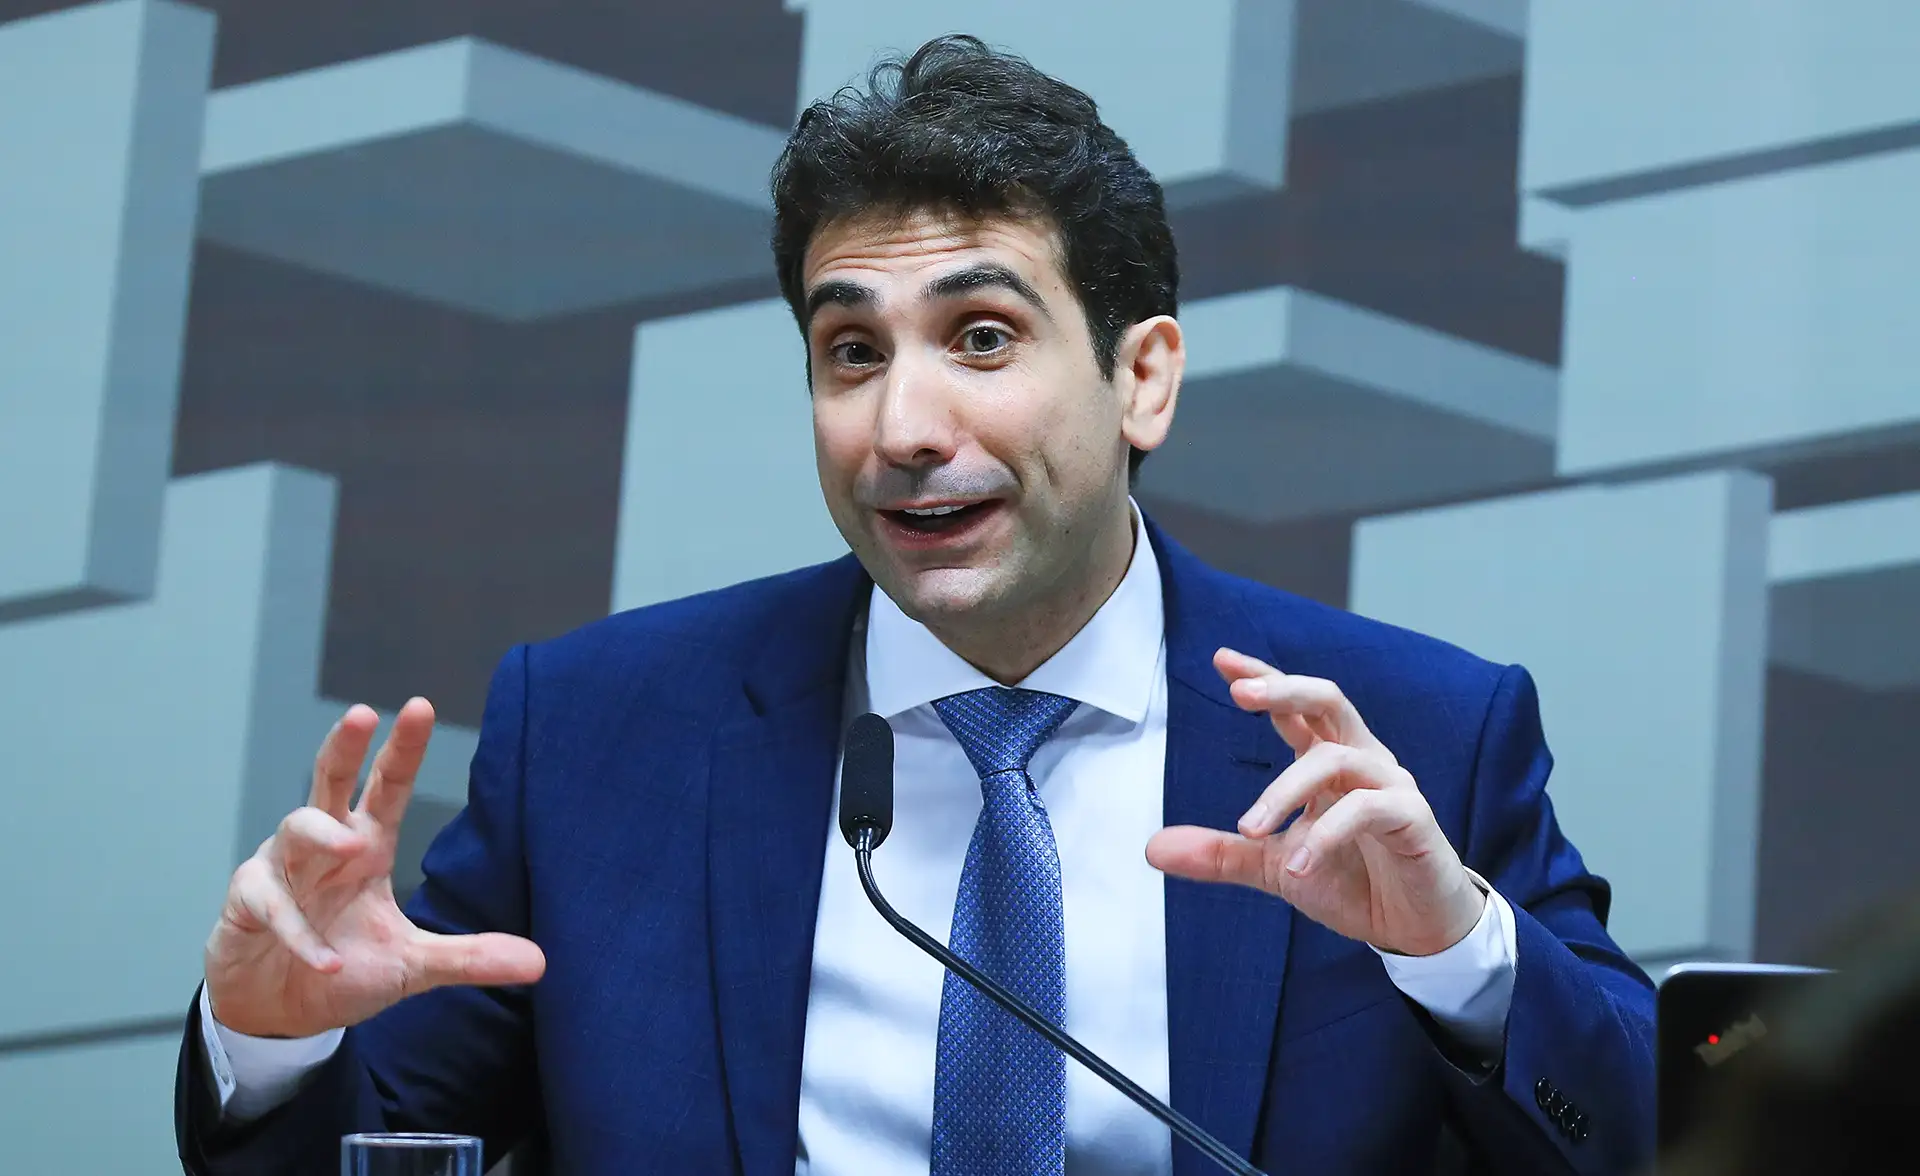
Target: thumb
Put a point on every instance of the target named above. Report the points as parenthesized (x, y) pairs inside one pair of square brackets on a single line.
[(1208, 855), (487, 959)]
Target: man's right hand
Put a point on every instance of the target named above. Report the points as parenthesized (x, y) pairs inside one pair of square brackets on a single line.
[(311, 938)]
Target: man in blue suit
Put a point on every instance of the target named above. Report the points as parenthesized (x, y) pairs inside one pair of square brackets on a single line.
[(1355, 928)]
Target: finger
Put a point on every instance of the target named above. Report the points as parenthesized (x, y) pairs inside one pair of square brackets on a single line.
[(1392, 818), (489, 958), (1295, 732), (1325, 708), (1325, 768), (1260, 686), (1318, 705), (337, 766), (390, 784), (307, 836), (308, 830), (259, 892), (1207, 855), (1231, 664)]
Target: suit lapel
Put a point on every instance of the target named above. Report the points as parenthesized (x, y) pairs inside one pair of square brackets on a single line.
[(771, 796), (1226, 945)]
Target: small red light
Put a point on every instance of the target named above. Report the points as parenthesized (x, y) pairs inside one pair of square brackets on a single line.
[(1713, 1039)]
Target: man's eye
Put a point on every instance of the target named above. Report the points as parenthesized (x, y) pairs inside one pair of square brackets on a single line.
[(853, 354), (983, 340)]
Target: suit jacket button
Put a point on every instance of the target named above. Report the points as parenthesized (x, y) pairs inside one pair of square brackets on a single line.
[(1579, 1129), (1543, 1092)]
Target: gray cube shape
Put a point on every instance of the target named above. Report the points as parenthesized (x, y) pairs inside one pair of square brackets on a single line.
[(1846, 591), (100, 119), (488, 180), (1297, 406), (1641, 611)]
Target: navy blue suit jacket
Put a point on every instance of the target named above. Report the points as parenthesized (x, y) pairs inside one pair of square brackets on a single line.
[(650, 803)]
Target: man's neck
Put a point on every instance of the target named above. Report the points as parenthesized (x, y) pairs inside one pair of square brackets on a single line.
[(1009, 651)]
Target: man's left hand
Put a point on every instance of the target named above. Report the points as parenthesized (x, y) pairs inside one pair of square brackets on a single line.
[(1364, 857)]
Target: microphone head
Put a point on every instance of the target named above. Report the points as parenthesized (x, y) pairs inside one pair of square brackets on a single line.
[(866, 780)]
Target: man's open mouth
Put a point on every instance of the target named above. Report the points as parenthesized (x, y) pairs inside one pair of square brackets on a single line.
[(942, 519)]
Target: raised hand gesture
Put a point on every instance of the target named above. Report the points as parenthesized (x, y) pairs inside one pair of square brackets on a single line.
[(311, 938), (1364, 857)]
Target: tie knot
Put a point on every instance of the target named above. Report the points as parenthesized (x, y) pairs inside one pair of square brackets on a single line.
[(1000, 727)]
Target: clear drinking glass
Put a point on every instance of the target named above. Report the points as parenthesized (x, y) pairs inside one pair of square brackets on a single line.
[(409, 1155)]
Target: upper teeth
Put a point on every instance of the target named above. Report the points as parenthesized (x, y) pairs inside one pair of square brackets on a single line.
[(928, 511)]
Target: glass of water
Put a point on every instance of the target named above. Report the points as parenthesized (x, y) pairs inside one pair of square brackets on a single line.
[(409, 1155)]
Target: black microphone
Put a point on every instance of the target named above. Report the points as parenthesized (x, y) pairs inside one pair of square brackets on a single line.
[(866, 817)]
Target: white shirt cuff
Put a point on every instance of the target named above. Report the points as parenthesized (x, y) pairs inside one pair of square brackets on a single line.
[(256, 1074), (1467, 988)]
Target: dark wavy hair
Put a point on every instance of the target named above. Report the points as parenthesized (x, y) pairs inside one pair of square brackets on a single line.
[(964, 128)]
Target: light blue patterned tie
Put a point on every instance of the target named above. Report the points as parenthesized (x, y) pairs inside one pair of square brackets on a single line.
[(999, 1090)]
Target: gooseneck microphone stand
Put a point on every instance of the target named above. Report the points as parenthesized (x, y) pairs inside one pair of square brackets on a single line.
[(1182, 1126), (866, 817)]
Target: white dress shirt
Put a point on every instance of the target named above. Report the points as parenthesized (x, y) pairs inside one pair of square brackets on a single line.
[(873, 1009)]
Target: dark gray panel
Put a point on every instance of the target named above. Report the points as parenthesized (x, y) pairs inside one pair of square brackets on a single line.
[(1300, 444), (1404, 206), (1839, 809), (478, 462)]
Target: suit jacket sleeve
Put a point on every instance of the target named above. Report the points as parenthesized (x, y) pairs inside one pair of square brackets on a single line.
[(1575, 1090), (454, 1060)]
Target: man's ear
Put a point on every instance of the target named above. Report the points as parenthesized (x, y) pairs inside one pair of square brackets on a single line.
[(1146, 374)]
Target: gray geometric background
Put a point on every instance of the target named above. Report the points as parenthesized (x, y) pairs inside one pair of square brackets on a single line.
[(344, 345)]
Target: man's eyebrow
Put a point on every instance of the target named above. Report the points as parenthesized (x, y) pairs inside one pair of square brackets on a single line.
[(838, 292), (982, 276)]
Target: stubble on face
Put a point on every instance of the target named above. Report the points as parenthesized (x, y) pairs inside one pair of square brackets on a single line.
[(952, 363)]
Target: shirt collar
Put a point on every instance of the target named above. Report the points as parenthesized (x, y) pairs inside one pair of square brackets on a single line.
[(1109, 664)]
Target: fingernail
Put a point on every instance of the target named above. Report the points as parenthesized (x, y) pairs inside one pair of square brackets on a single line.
[(1255, 688), (1297, 864)]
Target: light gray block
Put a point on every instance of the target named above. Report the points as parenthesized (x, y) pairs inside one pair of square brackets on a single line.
[(152, 745), (103, 1108), (1296, 405), (1846, 591), (1202, 99), (1351, 51), (1641, 611), (718, 484), (1634, 96), (486, 179), (1766, 318), (100, 118)]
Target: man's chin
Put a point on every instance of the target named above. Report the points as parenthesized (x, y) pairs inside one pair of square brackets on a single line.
[(938, 596)]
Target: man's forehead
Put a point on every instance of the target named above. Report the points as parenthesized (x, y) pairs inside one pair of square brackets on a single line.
[(872, 247)]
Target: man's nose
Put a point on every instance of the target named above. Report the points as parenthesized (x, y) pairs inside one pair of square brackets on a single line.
[(915, 425)]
